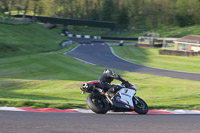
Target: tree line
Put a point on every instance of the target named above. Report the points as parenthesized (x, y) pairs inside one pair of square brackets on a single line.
[(127, 13)]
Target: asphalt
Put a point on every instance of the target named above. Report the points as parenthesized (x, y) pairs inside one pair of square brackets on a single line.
[(96, 53), (38, 122)]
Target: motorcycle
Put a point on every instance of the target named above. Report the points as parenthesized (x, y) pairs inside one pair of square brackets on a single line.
[(123, 100)]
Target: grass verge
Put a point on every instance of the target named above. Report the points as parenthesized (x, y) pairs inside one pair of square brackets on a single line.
[(20, 39), (53, 80), (151, 57)]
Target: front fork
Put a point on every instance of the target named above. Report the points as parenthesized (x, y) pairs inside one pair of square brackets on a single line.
[(136, 100)]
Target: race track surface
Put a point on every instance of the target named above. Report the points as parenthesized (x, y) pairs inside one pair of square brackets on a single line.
[(101, 54), (38, 122)]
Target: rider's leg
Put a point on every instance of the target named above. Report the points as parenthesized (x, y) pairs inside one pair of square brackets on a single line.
[(111, 91)]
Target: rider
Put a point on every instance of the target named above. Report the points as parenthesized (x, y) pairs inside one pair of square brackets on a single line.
[(106, 78)]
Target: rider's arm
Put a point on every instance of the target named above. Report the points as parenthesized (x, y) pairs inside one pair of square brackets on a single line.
[(118, 77)]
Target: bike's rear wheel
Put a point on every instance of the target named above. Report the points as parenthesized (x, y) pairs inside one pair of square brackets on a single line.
[(98, 103), (140, 106)]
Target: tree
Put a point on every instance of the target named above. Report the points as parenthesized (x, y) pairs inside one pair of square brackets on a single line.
[(4, 5), (185, 12), (26, 6), (139, 13), (107, 10), (10, 4), (19, 6), (99, 8), (35, 7), (123, 18)]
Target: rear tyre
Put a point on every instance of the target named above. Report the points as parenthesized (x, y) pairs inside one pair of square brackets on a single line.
[(98, 103), (140, 106)]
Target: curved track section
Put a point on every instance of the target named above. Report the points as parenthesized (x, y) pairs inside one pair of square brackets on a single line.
[(101, 54)]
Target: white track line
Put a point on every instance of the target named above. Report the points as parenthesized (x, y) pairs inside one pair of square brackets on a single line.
[(184, 111), (84, 61), (78, 58), (73, 49), (11, 109)]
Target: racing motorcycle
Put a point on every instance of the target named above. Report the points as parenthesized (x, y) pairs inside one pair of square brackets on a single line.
[(123, 100)]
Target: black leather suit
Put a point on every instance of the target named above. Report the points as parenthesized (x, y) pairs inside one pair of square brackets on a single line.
[(107, 78)]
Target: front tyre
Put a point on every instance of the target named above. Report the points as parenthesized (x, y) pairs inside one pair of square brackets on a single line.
[(98, 103), (140, 106)]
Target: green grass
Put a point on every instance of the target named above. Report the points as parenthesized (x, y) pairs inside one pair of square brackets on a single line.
[(53, 80), (179, 31), (20, 39), (151, 57), (44, 77), (47, 79)]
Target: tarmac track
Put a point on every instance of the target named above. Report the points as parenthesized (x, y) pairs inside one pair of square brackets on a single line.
[(40, 122), (101, 54)]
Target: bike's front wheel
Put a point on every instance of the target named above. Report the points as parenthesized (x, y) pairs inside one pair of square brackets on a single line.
[(140, 106)]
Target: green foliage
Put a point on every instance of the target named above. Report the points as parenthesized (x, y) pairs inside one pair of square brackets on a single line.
[(149, 14), (184, 20), (187, 12), (123, 18), (165, 31), (108, 8)]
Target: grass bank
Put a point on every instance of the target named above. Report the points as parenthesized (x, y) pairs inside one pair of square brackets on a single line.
[(53, 79), (43, 77), (151, 57), (20, 39)]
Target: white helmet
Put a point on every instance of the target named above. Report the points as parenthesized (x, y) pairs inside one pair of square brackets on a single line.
[(107, 71)]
